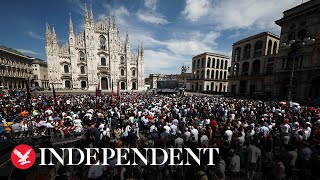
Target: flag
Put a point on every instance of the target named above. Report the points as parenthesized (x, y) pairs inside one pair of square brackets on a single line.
[(28, 96), (112, 93), (118, 91), (54, 95), (98, 90)]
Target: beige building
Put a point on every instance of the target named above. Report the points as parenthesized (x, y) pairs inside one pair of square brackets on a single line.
[(40, 73), (299, 54), (209, 72), (14, 68), (253, 63)]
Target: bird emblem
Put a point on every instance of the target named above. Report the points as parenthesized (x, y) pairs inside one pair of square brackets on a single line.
[(22, 158)]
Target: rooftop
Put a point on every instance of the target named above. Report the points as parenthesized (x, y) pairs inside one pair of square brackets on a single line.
[(257, 36), (212, 54), (298, 10), (13, 51)]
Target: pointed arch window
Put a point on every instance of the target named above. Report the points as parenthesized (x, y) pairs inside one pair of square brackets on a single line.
[(102, 42), (81, 56), (133, 72), (103, 61), (82, 70), (66, 68), (122, 61)]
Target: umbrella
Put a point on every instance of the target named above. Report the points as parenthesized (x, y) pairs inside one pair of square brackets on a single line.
[(295, 104), (49, 111), (282, 103), (56, 119)]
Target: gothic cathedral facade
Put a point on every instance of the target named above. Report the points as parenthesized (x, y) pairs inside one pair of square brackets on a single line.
[(96, 56)]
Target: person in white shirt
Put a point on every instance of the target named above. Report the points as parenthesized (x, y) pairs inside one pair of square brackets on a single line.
[(234, 165), (101, 126), (254, 153), (173, 128), (228, 133), (167, 128), (187, 135), (195, 133), (204, 140), (178, 143)]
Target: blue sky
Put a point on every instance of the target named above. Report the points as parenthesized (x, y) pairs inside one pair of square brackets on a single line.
[(172, 31)]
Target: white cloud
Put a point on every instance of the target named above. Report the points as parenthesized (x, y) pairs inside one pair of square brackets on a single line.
[(35, 35), (151, 4), (150, 15), (26, 51), (196, 9), (151, 18), (163, 62), (238, 14)]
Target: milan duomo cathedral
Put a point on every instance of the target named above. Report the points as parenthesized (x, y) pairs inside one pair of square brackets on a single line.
[(96, 56)]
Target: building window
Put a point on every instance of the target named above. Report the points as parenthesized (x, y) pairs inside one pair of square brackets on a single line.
[(221, 75), (217, 74), (269, 47), (102, 42), (258, 49), (213, 62), (203, 62), (225, 75), (81, 56), (122, 60), (66, 68), (221, 64), (103, 61), (256, 67), (82, 70), (208, 62), (122, 72), (198, 64), (212, 74), (202, 74), (208, 74), (226, 64), (269, 68), (237, 54), (217, 66), (245, 68), (236, 69), (133, 72), (247, 50), (275, 48), (194, 64)]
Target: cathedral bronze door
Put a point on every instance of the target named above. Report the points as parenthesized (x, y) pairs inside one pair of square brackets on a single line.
[(104, 83)]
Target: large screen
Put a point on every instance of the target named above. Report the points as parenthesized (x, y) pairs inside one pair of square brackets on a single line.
[(168, 84)]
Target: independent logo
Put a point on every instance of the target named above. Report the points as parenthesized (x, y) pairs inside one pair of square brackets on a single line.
[(23, 156)]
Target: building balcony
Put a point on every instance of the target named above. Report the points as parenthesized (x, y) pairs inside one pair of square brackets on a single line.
[(66, 75), (83, 75), (103, 67), (82, 63)]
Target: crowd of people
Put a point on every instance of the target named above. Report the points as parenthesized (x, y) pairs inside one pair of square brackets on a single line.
[(278, 140)]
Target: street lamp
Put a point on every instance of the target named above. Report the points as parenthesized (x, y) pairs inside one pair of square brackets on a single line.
[(295, 45)]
